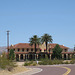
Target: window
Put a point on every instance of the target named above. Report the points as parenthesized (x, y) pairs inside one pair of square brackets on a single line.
[(40, 50), (23, 50), (8, 50), (18, 49), (49, 50), (36, 50), (31, 50), (44, 50), (14, 50), (27, 49), (65, 50)]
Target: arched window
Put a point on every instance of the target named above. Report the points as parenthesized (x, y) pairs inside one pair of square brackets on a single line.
[(18, 50), (31, 50), (22, 49), (27, 49)]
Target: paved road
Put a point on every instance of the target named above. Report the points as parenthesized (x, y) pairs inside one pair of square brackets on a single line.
[(52, 70), (57, 70), (72, 67)]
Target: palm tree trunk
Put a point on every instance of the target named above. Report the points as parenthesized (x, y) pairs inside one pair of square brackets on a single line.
[(46, 46), (35, 51), (35, 48)]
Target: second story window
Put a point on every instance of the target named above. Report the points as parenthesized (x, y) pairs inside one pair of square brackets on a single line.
[(18, 50), (27, 49), (36, 50), (49, 50), (65, 50), (14, 50), (40, 50), (31, 50), (8, 50), (44, 50), (23, 50)]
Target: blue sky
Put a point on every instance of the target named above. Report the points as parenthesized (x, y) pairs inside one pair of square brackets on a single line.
[(25, 18)]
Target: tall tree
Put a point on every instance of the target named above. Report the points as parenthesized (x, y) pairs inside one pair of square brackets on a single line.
[(46, 38), (34, 41), (11, 54), (57, 52)]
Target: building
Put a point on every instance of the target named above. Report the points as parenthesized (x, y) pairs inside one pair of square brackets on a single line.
[(24, 51)]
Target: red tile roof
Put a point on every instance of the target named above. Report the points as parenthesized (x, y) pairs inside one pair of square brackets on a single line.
[(53, 45), (23, 45), (27, 45)]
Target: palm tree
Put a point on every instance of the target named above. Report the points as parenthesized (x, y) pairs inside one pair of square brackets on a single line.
[(46, 38), (34, 41)]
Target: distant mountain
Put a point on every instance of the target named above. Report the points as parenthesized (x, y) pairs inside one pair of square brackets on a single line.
[(2, 49)]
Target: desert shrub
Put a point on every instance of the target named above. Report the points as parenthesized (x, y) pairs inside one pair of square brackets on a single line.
[(72, 61), (34, 64), (56, 61), (28, 63), (66, 62), (6, 64), (50, 62), (42, 63)]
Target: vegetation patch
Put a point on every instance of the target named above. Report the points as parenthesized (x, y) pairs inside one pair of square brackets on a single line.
[(6, 63), (30, 63)]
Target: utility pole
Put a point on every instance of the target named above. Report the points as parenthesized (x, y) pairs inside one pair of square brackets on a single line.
[(8, 39)]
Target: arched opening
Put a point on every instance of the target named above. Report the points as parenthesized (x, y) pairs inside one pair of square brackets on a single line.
[(64, 56), (43, 56), (39, 56), (21, 57), (17, 57), (69, 56), (30, 57)]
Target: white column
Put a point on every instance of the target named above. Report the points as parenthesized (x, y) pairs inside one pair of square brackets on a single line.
[(50, 56)]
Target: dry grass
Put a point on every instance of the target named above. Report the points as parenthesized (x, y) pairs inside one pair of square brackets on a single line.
[(15, 70)]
